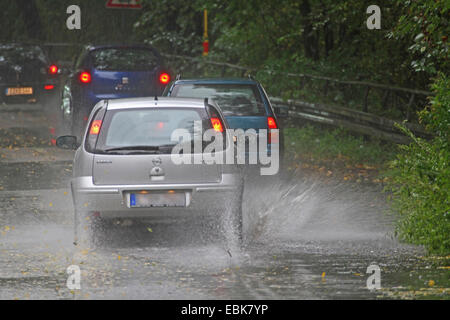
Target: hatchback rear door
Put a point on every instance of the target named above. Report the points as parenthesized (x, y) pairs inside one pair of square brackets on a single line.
[(134, 147), (125, 71)]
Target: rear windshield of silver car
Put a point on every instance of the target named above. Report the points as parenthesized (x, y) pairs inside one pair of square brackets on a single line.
[(233, 99), (136, 131)]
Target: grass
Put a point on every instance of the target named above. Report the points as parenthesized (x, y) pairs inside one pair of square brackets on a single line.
[(336, 147)]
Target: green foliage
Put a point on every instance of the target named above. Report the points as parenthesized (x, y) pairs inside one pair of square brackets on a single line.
[(173, 26), (322, 38), (437, 115), (427, 23), (420, 179)]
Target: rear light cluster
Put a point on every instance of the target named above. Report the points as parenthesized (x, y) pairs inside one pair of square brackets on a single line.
[(53, 69), (85, 77), (49, 87), (216, 121), (271, 124), (95, 127), (164, 78), (94, 130), (217, 124)]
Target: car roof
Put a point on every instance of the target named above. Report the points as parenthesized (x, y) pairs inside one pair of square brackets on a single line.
[(217, 81), (168, 102), (92, 47)]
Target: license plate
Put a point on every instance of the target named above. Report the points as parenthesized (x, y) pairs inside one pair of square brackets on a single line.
[(148, 199), (19, 91)]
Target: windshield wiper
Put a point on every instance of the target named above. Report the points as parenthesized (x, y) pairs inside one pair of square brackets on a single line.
[(155, 149)]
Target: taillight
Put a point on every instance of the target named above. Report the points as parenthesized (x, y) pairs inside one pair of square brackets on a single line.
[(85, 77), (53, 69), (271, 123), (95, 127), (164, 78), (49, 87), (217, 124)]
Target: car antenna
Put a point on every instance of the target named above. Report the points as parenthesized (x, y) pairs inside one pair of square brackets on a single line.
[(156, 97)]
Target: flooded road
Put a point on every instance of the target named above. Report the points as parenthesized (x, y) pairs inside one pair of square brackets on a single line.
[(305, 237)]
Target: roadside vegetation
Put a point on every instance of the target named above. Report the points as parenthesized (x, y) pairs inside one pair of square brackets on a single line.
[(337, 153), (420, 178)]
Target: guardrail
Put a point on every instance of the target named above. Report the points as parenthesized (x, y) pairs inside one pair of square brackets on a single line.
[(353, 120)]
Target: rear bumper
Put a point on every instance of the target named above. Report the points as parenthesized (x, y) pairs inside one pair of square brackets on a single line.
[(111, 200), (38, 91)]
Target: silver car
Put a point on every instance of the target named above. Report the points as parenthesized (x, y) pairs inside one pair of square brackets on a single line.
[(123, 167)]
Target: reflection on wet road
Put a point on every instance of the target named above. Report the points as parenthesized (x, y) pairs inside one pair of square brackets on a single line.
[(306, 238)]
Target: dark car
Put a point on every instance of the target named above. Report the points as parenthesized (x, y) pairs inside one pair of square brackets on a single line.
[(243, 102), (110, 72), (27, 75)]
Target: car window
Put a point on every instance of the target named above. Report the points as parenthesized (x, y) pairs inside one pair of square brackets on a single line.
[(239, 100), (124, 59), (19, 55), (148, 127)]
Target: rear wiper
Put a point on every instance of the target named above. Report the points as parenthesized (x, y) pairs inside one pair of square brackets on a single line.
[(139, 148)]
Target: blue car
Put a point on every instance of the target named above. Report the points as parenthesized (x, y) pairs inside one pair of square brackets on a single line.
[(243, 102), (110, 72)]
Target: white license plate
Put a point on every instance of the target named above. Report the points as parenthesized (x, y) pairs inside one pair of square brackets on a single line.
[(19, 91), (150, 199)]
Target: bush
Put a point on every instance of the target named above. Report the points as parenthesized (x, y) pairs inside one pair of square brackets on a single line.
[(420, 178)]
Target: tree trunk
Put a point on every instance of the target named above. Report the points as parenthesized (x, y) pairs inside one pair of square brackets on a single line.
[(31, 19), (310, 42), (329, 38)]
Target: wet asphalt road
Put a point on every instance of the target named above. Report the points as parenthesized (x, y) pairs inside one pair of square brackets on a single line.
[(305, 237)]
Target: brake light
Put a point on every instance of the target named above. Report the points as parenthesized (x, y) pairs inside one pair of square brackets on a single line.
[(49, 87), (85, 77), (95, 127), (164, 78), (53, 69), (217, 124), (271, 123)]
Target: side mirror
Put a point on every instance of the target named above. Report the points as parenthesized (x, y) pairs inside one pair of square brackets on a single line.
[(281, 111), (67, 142)]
